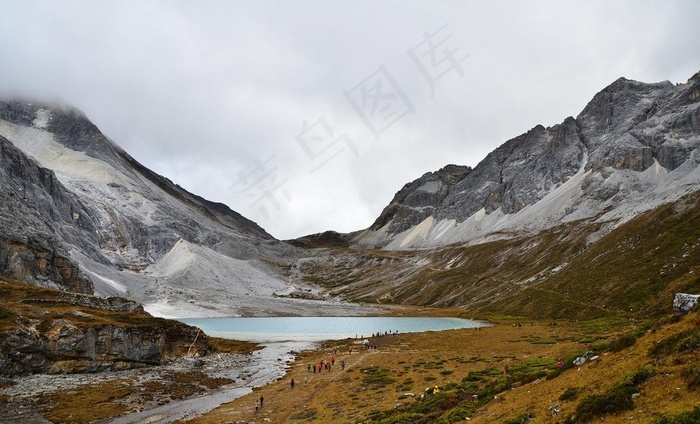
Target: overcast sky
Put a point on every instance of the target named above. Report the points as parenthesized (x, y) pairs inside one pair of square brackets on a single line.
[(306, 116)]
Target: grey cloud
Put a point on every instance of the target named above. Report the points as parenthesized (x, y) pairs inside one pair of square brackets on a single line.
[(200, 91)]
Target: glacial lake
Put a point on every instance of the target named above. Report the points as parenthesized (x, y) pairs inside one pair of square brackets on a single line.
[(281, 339), (315, 329)]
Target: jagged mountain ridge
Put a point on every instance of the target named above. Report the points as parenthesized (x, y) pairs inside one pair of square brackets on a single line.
[(633, 147), (111, 222), (117, 225), (418, 199), (74, 130), (569, 271)]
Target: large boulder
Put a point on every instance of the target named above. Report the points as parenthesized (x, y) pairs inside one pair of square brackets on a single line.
[(684, 302)]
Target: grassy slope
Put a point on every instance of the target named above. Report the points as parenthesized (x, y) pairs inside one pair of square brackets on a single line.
[(609, 292), (468, 368), (634, 270)]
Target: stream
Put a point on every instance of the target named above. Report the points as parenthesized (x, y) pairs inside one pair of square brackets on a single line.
[(258, 369), (280, 336)]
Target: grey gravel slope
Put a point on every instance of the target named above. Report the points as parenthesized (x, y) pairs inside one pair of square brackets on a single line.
[(134, 233)]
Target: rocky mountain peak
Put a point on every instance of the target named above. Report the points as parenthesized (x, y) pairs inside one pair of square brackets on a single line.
[(418, 199), (78, 212), (70, 126), (614, 155), (453, 173), (618, 108)]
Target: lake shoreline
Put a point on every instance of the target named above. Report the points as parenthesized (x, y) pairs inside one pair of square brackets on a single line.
[(287, 353), (162, 408), (286, 403), (321, 329)]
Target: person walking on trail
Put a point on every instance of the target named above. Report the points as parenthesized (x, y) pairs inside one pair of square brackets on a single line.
[(257, 406), (262, 401), (291, 383)]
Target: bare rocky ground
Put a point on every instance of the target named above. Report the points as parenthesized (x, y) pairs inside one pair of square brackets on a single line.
[(177, 390)]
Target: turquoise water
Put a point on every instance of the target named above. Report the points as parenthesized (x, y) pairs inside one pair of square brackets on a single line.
[(274, 329)]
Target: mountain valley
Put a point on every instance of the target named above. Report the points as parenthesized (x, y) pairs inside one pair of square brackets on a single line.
[(592, 222)]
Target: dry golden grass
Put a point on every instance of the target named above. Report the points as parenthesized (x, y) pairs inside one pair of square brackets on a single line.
[(373, 382), (413, 362), (370, 387), (664, 393)]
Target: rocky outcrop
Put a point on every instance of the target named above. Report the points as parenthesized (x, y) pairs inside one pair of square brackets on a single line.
[(684, 302), (41, 262), (112, 304), (76, 209), (37, 213), (64, 347), (51, 331), (418, 199), (631, 139)]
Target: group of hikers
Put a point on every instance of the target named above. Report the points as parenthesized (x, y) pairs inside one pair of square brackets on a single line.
[(323, 365), (328, 364), (380, 334)]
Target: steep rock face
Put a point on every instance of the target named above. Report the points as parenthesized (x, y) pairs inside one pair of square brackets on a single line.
[(418, 199), (63, 139), (609, 121), (47, 330), (633, 147), (36, 214), (42, 263), (80, 197), (64, 347), (518, 173)]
